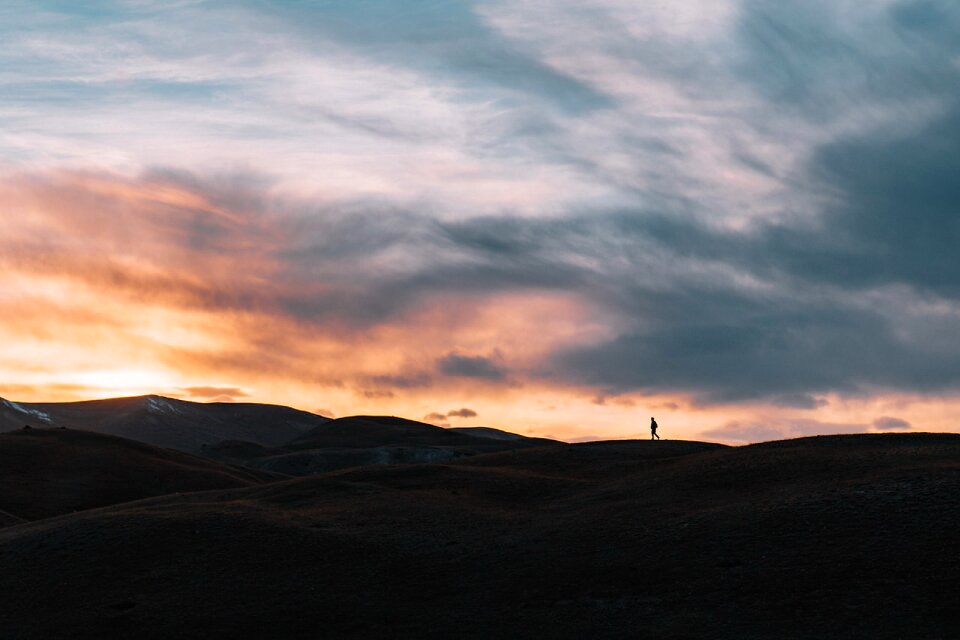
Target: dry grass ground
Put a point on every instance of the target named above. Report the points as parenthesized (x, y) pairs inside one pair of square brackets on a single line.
[(834, 537), (48, 472)]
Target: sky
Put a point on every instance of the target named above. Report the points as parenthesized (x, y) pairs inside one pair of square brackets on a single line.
[(556, 217)]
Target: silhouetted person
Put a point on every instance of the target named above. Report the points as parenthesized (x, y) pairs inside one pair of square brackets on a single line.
[(653, 429)]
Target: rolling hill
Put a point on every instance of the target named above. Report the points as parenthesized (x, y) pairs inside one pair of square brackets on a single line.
[(48, 472), (841, 536), (8, 519), (370, 440), (379, 431)]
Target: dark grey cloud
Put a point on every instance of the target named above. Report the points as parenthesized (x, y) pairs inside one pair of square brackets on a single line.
[(392, 385), (416, 380), (811, 331), (799, 401), (900, 206), (462, 413), (777, 352), (457, 365), (887, 423)]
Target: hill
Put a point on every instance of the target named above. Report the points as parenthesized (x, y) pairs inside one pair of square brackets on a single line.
[(48, 472), (488, 432), (166, 422), (370, 440), (8, 519), (379, 431), (850, 536)]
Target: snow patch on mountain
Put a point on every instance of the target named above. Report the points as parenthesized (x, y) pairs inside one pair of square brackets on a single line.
[(36, 413), (157, 404)]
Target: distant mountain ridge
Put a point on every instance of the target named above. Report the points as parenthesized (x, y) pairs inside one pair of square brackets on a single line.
[(263, 436), (166, 422)]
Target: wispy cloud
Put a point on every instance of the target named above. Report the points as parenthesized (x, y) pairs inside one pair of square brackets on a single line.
[(216, 393)]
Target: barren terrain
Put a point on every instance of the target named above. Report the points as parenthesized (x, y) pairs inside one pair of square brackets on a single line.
[(828, 537)]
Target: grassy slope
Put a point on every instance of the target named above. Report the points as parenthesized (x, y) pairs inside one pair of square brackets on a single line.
[(47, 472), (826, 537)]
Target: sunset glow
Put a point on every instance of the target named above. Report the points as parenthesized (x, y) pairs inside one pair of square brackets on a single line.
[(564, 216)]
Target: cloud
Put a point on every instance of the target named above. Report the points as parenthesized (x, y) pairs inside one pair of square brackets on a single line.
[(727, 345), (887, 423), (218, 393), (442, 420), (453, 41), (454, 364), (799, 401), (376, 394), (401, 381), (822, 58), (740, 432), (326, 413), (436, 419), (15, 391)]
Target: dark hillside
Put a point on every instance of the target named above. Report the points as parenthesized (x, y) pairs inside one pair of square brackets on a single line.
[(376, 440), (47, 472), (379, 431), (838, 537)]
